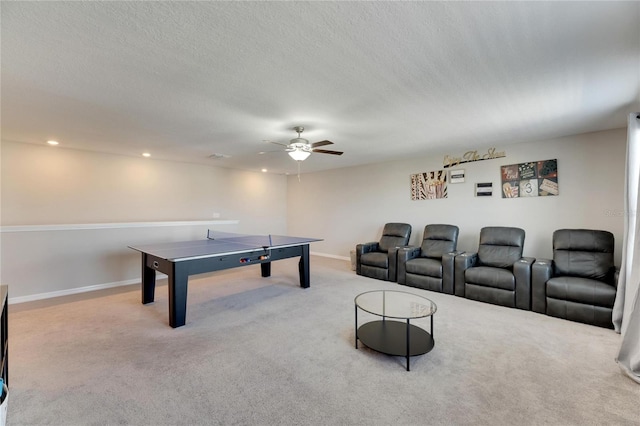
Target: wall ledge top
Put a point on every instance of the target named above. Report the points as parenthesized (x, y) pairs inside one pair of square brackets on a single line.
[(115, 225)]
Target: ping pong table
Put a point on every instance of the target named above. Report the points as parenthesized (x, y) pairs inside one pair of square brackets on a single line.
[(219, 251)]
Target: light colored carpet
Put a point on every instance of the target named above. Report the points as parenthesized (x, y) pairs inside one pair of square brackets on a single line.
[(264, 351)]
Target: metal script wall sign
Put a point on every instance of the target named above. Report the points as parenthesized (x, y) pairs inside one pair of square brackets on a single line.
[(534, 179), (429, 185), (471, 156)]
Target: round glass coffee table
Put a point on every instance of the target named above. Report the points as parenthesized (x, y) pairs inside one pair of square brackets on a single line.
[(389, 336)]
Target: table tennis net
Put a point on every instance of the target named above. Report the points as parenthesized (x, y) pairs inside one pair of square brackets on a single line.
[(253, 240)]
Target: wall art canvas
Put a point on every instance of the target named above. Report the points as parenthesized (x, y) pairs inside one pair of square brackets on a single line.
[(532, 179), (429, 185)]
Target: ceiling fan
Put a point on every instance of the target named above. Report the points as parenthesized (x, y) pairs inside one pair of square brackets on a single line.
[(300, 148)]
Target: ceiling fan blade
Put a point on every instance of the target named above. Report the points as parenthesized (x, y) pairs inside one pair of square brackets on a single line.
[(278, 143), (325, 151), (321, 143)]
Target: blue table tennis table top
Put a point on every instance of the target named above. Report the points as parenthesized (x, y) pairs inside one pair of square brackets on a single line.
[(218, 244)]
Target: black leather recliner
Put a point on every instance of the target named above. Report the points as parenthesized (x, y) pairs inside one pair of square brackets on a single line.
[(430, 266), (379, 259), (497, 273), (580, 283)]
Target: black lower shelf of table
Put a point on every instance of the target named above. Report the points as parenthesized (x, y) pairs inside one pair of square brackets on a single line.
[(390, 337)]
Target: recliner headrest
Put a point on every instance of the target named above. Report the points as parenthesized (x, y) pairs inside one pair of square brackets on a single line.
[(394, 235), (583, 240), (500, 246), (397, 230), (584, 253)]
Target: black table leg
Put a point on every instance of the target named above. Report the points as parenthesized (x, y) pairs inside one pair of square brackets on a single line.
[(177, 296), (303, 267), (356, 307), (265, 268), (432, 328), (148, 281), (408, 352)]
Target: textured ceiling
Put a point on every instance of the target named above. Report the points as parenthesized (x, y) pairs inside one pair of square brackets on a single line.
[(383, 80)]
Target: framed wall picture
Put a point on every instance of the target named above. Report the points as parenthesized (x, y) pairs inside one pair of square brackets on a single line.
[(532, 179), (456, 176), (429, 185), (484, 189)]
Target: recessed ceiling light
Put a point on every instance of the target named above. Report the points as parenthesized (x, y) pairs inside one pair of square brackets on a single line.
[(264, 170), (146, 154), (52, 142)]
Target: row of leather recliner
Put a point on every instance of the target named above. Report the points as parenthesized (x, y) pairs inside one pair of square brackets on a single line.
[(578, 284)]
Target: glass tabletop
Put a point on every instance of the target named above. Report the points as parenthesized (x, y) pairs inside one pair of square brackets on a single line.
[(395, 304)]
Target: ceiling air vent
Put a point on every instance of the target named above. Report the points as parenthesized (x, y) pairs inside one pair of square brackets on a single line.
[(217, 156)]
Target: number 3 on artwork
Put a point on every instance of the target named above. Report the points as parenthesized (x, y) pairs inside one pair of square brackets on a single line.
[(527, 188)]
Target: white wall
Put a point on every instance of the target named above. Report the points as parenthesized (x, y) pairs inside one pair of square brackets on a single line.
[(49, 185), (42, 185), (46, 185), (350, 206)]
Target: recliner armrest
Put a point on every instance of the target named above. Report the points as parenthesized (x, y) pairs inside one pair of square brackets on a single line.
[(404, 254), (362, 249), (448, 271), (462, 262), (408, 252), (522, 273), (368, 247), (541, 272), (392, 272)]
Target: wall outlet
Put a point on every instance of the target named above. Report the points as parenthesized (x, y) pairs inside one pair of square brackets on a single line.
[(216, 215)]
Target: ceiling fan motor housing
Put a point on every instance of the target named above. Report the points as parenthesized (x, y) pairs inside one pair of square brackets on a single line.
[(299, 141)]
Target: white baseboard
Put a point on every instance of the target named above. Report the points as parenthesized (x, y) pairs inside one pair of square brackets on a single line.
[(332, 256), (78, 290), (70, 291)]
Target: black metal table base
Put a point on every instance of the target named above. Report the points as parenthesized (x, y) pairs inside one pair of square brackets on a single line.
[(395, 338), (178, 273)]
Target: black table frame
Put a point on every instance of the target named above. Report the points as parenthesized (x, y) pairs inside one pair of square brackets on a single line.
[(178, 272), (4, 335)]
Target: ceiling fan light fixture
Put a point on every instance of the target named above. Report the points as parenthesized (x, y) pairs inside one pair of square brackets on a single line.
[(300, 148), (299, 154)]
